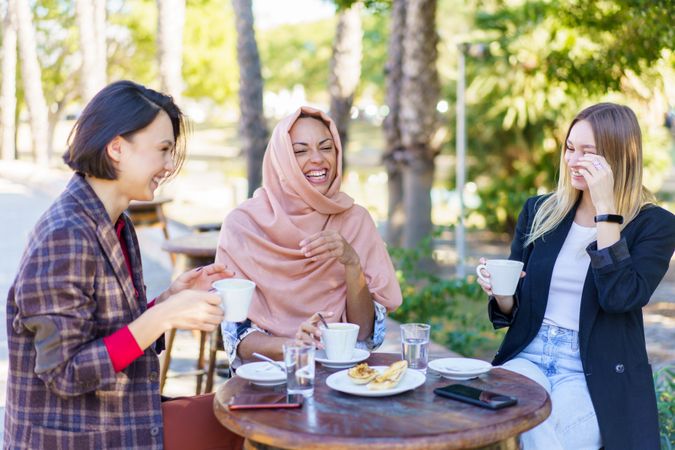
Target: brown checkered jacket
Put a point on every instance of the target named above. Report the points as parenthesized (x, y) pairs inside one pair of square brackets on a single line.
[(73, 289)]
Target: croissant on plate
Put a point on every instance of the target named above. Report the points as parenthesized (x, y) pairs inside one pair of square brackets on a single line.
[(390, 377)]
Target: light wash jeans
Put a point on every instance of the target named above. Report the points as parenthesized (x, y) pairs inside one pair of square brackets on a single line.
[(552, 360)]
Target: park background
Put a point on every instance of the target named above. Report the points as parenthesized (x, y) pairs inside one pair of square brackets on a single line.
[(413, 85)]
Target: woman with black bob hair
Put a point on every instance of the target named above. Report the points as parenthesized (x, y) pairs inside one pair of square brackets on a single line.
[(83, 340)]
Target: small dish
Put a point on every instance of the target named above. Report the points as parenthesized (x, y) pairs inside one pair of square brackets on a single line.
[(460, 368), (262, 373), (358, 356)]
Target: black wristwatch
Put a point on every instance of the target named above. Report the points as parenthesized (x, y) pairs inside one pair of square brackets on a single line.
[(613, 218)]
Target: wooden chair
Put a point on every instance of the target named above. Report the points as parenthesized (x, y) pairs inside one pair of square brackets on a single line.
[(191, 251), (151, 214)]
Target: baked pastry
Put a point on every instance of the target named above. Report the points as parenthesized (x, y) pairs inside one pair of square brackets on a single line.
[(390, 377), (362, 374)]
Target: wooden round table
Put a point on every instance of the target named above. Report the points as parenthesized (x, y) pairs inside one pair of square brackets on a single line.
[(417, 419), (199, 249)]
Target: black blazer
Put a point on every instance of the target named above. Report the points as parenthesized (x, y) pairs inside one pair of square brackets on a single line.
[(619, 282)]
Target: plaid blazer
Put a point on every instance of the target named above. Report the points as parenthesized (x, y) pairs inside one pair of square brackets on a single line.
[(73, 289)]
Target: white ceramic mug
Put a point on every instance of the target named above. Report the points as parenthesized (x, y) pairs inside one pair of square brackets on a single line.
[(235, 297), (504, 275), (339, 340)]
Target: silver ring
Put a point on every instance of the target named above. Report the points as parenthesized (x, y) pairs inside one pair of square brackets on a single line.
[(597, 164)]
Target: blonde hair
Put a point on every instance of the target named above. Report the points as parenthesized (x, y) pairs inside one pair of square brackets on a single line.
[(619, 140)]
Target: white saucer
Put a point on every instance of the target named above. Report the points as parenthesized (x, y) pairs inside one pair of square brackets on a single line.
[(340, 381), (358, 356), (460, 368), (262, 373)]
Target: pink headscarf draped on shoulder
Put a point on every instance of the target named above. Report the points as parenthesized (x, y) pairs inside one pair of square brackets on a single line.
[(260, 241)]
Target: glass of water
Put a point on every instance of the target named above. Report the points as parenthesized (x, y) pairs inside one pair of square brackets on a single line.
[(415, 345), (299, 361)]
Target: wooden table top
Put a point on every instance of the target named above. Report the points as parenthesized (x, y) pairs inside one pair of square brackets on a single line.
[(196, 245), (411, 420)]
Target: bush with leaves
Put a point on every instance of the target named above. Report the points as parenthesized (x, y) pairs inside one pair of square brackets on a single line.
[(664, 380), (455, 308)]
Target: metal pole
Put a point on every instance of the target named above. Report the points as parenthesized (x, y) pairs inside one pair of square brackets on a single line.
[(461, 156)]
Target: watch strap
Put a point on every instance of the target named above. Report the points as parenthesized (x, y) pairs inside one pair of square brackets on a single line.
[(613, 218)]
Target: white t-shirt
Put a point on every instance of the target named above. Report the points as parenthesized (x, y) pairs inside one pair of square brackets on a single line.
[(567, 280)]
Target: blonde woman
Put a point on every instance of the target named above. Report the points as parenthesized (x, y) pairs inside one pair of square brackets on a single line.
[(594, 252)]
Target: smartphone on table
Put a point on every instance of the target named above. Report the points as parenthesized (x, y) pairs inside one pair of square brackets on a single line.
[(265, 401), (475, 396)]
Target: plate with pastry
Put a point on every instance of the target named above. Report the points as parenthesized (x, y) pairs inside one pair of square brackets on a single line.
[(376, 381), (358, 356)]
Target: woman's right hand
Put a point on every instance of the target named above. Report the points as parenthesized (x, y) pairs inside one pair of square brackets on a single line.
[(309, 332), (193, 310)]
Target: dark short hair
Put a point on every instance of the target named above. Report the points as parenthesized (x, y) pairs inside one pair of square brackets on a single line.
[(120, 109)]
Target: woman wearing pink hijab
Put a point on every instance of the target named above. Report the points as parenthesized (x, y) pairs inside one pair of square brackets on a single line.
[(306, 245)]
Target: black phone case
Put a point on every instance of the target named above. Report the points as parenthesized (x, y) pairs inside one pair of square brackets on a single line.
[(473, 401)]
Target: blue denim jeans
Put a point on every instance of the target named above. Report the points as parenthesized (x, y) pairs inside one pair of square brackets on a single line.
[(552, 360)]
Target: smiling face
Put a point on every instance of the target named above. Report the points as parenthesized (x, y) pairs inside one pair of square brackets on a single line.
[(145, 158), (315, 152), (580, 141)]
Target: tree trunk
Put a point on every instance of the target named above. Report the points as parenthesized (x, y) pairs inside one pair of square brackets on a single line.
[(170, 24), (394, 148), (419, 95), (8, 106), (345, 70), (32, 81), (101, 43), (252, 127), (93, 70)]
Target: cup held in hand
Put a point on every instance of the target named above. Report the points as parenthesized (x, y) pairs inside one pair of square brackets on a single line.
[(235, 297), (504, 275), (339, 339)]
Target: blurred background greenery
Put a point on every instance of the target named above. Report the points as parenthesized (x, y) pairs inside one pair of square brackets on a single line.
[(538, 63)]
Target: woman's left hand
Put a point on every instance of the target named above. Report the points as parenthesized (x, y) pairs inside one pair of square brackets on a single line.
[(329, 244), (201, 278), (600, 181)]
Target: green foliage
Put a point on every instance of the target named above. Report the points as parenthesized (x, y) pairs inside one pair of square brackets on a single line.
[(299, 54), (664, 380), (133, 51), (209, 47), (455, 308), (546, 61), (380, 6), (57, 43), (210, 66)]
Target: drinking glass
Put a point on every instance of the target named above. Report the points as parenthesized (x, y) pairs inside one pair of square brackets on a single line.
[(299, 361), (415, 345)]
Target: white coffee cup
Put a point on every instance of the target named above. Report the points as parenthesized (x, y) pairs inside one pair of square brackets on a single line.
[(235, 297), (504, 275), (339, 340)]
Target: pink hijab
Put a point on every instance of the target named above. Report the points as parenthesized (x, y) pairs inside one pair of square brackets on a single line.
[(260, 241)]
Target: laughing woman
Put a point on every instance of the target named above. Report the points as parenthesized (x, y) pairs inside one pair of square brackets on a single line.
[(83, 342), (306, 245), (594, 252)]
